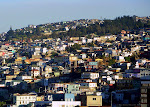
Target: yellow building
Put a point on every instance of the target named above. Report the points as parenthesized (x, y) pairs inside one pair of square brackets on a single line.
[(94, 100), (40, 98), (74, 38), (28, 80), (73, 58), (91, 100), (18, 60), (10, 77), (99, 60), (27, 61), (16, 72)]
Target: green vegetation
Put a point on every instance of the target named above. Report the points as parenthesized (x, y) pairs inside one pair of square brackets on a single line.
[(54, 54), (128, 59), (90, 44), (73, 48), (111, 61), (2, 103)]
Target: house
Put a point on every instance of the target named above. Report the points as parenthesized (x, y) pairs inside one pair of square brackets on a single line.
[(82, 56), (35, 73), (145, 74), (24, 77), (115, 69), (91, 65), (66, 103), (119, 58), (39, 104), (23, 99), (47, 71), (61, 58), (15, 82), (73, 88), (124, 83), (58, 87), (89, 75), (129, 96), (40, 98), (111, 52), (74, 38), (63, 100), (87, 86), (145, 93), (43, 50), (91, 100)]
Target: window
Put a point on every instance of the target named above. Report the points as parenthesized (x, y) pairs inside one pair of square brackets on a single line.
[(94, 98)]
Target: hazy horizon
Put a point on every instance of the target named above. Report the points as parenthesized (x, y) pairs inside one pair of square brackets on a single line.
[(21, 13)]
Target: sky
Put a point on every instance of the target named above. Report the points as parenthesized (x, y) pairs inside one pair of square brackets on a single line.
[(21, 13)]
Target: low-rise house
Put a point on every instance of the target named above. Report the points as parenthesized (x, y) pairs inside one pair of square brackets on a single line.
[(10, 77), (115, 69), (129, 96), (58, 87), (67, 100), (124, 83), (91, 100), (66, 103), (145, 93), (40, 98), (34, 73), (91, 66), (119, 58), (61, 58), (73, 88), (15, 82), (87, 86), (24, 77), (23, 99), (145, 74), (89, 75)]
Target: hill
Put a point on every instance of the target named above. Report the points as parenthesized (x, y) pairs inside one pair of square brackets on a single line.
[(78, 28)]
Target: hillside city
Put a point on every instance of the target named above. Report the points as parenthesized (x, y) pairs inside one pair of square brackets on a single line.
[(79, 63)]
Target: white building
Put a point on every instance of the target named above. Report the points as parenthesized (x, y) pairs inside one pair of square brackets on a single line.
[(23, 99), (35, 73), (44, 50), (120, 58), (24, 77), (88, 84), (89, 75), (66, 103)]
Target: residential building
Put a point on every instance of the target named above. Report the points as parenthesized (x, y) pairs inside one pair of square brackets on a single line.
[(23, 99)]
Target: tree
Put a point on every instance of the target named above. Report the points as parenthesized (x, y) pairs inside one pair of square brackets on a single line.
[(38, 32), (2, 103), (128, 59), (54, 54), (111, 61), (90, 44), (10, 34), (73, 48)]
